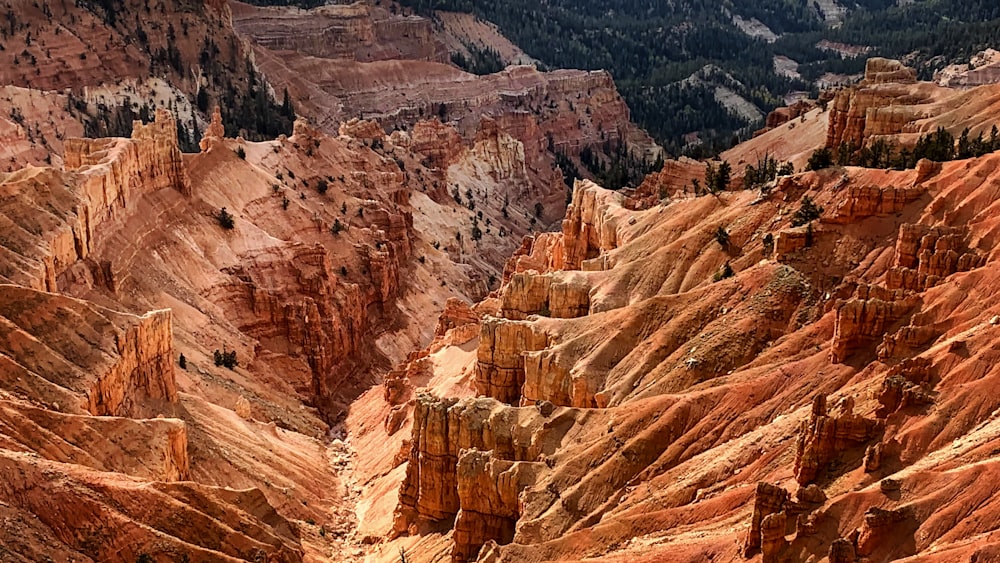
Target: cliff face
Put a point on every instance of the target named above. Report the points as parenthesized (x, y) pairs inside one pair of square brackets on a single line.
[(361, 32), (680, 389), (65, 213), (890, 104)]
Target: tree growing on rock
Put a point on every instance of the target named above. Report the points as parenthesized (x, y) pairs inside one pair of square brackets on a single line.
[(225, 219), (807, 212)]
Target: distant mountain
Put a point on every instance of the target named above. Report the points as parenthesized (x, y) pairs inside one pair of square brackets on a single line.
[(667, 56)]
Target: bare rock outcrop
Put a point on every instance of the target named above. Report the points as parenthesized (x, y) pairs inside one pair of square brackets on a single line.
[(501, 357), (881, 105), (927, 255), (870, 201), (128, 371), (591, 225), (866, 318), (56, 218), (529, 293), (769, 500), (877, 528), (471, 459), (214, 132), (905, 386), (359, 32), (439, 143), (293, 301), (824, 436), (488, 492), (879, 70)]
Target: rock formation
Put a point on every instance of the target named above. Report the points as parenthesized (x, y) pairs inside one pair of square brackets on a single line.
[(823, 437), (500, 371), (769, 500)]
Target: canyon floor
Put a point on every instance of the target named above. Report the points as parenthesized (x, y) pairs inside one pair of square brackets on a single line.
[(397, 334)]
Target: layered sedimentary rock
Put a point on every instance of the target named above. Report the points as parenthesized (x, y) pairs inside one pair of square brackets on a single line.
[(528, 293), (866, 318), (877, 528), (488, 493), (768, 500), (500, 371), (123, 518), (869, 201), (881, 105), (591, 225), (904, 385), (881, 71), (926, 255), (56, 219), (823, 437), (295, 303), (129, 370), (358, 31), (442, 429)]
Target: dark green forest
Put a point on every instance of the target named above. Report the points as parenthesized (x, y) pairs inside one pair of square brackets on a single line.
[(651, 46)]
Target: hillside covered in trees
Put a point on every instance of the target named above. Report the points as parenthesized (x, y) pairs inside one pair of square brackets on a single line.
[(679, 63)]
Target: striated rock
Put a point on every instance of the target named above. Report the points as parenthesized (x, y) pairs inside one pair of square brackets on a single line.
[(440, 144), (129, 370), (457, 313), (56, 218), (769, 500), (811, 494), (842, 551), (783, 115), (437, 485), (500, 371), (881, 105), (880, 71), (869, 201), (877, 528), (214, 132), (790, 241), (502, 153), (823, 437), (151, 160), (126, 513), (395, 419), (861, 321), (362, 129), (772, 537), (925, 256), (429, 491), (541, 253), (488, 491), (360, 32), (903, 386), (529, 293), (591, 225), (294, 302)]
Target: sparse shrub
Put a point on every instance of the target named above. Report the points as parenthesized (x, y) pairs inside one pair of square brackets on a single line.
[(725, 273), (821, 158), (722, 237), (225, 219), (225, 358), (807, 212), (768, 243), (182, 361), (337, 227), (322, 185), (343, 271), (284, 202), (240, 152)]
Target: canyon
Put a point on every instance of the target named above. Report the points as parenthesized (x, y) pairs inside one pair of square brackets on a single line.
[(388, 337)]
